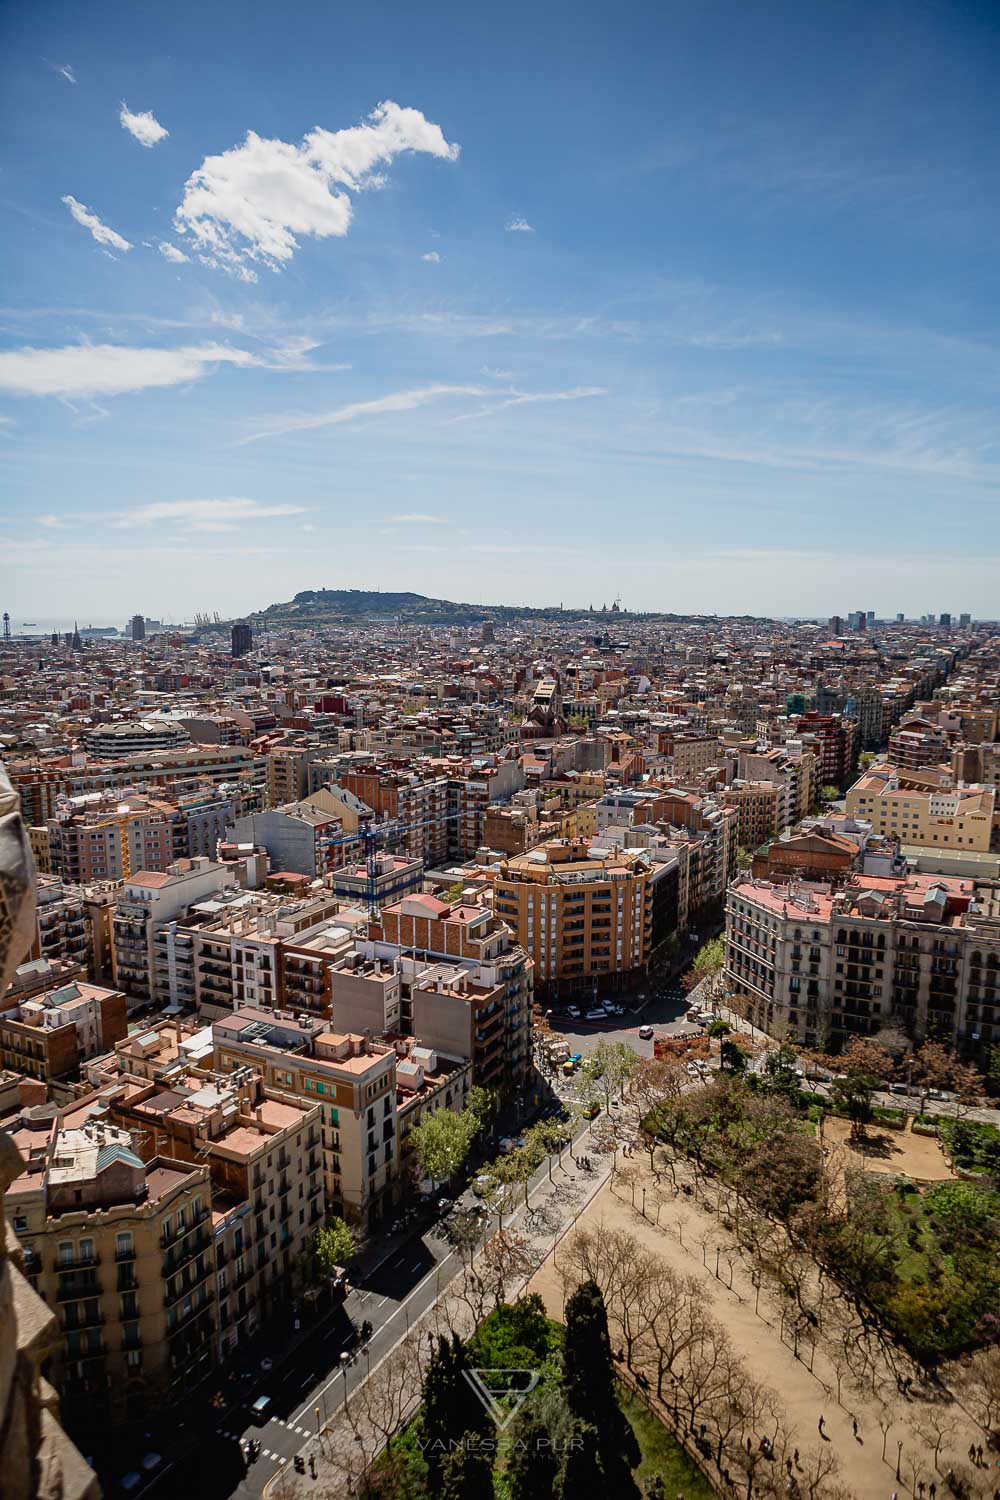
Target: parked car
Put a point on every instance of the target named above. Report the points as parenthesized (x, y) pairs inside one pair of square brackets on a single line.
[(573, 1011), (646, 1033), (597, 1014)]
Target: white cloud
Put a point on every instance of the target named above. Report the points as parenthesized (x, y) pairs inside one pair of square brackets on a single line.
[(204, 515), (51, 523), (414, 518), (249, 203), (518, 225), (531, 398), (433, 257), (171, 253), (495, 374), (145, 127), (109, 369), (398, 401), (102, 234), (66, 71)]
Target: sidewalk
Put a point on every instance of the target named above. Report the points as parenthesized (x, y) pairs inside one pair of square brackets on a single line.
[(378, 1406)]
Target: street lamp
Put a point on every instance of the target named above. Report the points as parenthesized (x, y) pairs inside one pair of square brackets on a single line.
[(345, 1360)]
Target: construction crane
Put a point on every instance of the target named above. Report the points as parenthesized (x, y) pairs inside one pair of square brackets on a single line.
[(372, 836)]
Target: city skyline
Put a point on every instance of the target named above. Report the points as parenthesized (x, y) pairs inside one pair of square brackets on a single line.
[(697, 310)]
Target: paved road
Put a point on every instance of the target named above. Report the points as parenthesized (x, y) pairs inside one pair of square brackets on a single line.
[(664, 1010), (391, 1297)]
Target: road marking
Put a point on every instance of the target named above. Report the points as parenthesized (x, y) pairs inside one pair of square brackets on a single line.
[(382, 1303)]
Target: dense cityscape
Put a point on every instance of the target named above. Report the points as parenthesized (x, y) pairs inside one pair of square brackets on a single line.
[(499, 751), (359, 976)]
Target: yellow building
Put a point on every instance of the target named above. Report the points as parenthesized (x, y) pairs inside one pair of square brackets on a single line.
[(945, 818)]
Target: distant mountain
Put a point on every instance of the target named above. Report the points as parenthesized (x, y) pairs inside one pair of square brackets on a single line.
[(347, 606)]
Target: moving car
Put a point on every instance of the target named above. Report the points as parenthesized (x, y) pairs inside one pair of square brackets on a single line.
[(260, 1411), (646, 1032)]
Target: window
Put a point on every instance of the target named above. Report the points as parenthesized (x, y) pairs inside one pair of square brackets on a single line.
[(123, 1246)]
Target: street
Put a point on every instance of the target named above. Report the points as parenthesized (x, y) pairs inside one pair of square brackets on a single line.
[(391, 1296), (664, 1010)]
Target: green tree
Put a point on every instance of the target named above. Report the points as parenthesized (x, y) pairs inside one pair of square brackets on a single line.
[(589, 1384), (732, 1058), (333, 1246), (484, 1105), (531, 1463), (708, 963), (744, 859), (441, 1142), (779, 1075), (466, 1472), (829, 793), (853, 1094), (612, 1064), (719, 1027), (451, 1408)]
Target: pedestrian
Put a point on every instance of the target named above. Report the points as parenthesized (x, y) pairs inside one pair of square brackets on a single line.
[(820, 1425), (972, 1452), (979, 1453), (854, 1424), (795, 1456), (933, 1490)]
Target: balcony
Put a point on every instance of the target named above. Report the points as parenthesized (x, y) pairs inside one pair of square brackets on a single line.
[(75, 1289), (193, 1246), (76, 1262)]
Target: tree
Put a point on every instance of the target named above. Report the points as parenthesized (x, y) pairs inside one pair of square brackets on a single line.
[(612, 1064), (744, 859), (531, 1464), (333, 1246), (466, 1472), (779, 1075), (484, 1105), (719, 1028), (589, 1383), (708, 963), (451, 1407), (441, 1142), (829, 793), (732, 1058), (853, 1095)]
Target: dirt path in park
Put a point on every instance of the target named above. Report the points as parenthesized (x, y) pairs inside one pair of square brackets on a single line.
[(682, 1229)]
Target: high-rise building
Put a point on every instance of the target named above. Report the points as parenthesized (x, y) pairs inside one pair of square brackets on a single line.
[(946, 621), (138, 628), (964, 620), (242, 638)]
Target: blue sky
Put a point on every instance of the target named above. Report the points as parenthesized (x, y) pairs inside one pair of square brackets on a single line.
[(691, 304)]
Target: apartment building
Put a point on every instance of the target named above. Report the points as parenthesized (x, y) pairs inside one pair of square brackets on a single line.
[(920, 952), (133, 737), (49, 1035), (299, 837), (392, 876), (62, 930), (121, 1250), (915, 742), (288, 773), (715, 828), (148, 901), (262, 1150), (939, 818), (490, 984), (585, 921), (835, 739), (687, 755), (351, 1077), (417, 802), (758, 805), (792, 770)]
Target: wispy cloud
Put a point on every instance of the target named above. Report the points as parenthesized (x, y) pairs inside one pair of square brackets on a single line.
[(101, 232), (245, 207), (396, 402), (432, 258), (171, 253), (531, 398), (52, 523), (204, 515), (64, 70), (81, 370), (145, 128), (518, 225), (415, 518)]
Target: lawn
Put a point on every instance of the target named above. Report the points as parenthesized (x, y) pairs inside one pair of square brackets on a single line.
[(661, 1453)]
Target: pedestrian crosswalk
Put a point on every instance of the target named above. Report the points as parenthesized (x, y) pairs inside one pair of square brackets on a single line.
[(279, 1422)]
